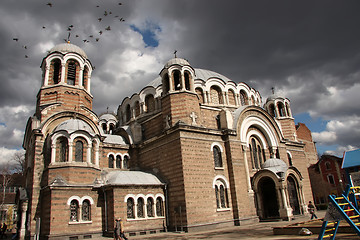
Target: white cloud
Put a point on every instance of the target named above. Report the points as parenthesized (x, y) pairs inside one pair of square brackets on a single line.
[(324, 137), (7, 155)]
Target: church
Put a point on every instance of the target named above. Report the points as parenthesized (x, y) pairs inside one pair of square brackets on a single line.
[(192, 150)]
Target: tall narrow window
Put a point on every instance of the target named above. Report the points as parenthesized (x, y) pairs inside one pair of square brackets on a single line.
[(231, 95), (137, 108), (128, 113), (221, 194), (217, 197), (56, 71), (71, 73), (159, 207), (74, 211), (217, 157), (104, 127), (272, 110), (111, 161), (85, 77), (126, 162), (150, 207), (281, 109), (243, 98), (111, 128), (187, 81), (149, 103), (177, 80), (289, 159), (86, 211), (215, 94), (130, 208), (140, 208), (63, 149), (118, 161), (79, 151), (255, 155), (259, 151), (166, 83)]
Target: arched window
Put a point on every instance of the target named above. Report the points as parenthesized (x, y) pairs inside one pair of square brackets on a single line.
[(130, 208), (150, 207), (118, 161), (140, 208), (231, 96), (111, 161), (104, 127), (71, 73), (187, 80), (63, 150), (221, 194), (288, 113), (254, 154), (137, 108), (281, 109), (217, 157), (56, 65), (79, 151), (128, 113), (159, 207), (243, 98), (328, 166), (166, 83), (215, 95), (252, 100), (272, 110), (177, 80), (85, 77), (74, 211), (111, 128), (126, 162), (259, 151), (86, 211), (149, 103), (200, 95)]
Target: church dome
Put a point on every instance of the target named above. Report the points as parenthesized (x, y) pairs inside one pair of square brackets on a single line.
[(176, 61), (107, 117), (275, 165), (68, 48), (73, 125)]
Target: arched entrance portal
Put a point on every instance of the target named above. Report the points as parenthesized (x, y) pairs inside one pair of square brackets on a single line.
[(293, 195), (268, 197)]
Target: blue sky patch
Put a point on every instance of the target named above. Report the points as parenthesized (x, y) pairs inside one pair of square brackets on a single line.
[(148, 33)]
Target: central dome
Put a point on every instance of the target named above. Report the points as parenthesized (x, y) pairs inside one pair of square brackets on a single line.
[(73, 125), (68, 48), (176, 61)]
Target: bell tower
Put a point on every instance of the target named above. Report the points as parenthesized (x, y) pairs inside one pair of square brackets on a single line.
[(66, 73), (179, 99)]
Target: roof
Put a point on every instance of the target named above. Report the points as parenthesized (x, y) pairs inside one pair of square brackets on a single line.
[(275, 165), (73, 125), (68, 48), (115, 139), (176, 61), (107, 117), (201, 74), (131, 178), (351, 159)]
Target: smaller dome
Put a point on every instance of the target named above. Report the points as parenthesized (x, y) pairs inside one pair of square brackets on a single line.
[(275, 165), (131, 178), (68, 48), (176, 61), (73, 125), (107, 117)]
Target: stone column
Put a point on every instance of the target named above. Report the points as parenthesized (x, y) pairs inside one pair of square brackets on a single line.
[(46, 77), (70, 150), (53, 152), (247, 172), (81, 73), (63, 67), (21, 231)]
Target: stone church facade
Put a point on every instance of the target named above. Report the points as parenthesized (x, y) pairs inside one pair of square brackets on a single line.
[(192, 150)]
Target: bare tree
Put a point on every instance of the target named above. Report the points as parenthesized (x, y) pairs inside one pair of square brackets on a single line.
[(5, 180), (19, 162)]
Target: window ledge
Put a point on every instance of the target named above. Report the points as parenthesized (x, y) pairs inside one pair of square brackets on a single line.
[(145, 218), (223, 209), (80, 222), (219, 168)]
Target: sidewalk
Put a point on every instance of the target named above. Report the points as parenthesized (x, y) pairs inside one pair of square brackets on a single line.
[(261, 230)]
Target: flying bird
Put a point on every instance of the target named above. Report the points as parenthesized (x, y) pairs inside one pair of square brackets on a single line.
[(43, 27), (97, 39), (97, 6), (15, 39), (120, 3), (100, 32), (26, 56), (105, 13), (76, 35), (99, 19), (24, 46), (49, 4), (122, 20), (71, 26), (108, 28), (91, 36)]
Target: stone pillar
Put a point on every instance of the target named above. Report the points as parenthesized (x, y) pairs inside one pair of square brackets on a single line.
[(70, 150), (88, 154), (53, 152), (21, 231), (247, 172), (81, 73), (63, 67), (46, 77)]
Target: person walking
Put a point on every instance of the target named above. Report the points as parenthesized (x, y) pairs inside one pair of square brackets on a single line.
[(119, 230), (3, 230), (311, 209)]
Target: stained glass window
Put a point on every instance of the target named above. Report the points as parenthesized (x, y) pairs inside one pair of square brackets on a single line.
[(63, 149), (86, 210), (74, 211), (140, 208), (150, 207), (130, 208), (79, 150), (159, 207), (217, 157)]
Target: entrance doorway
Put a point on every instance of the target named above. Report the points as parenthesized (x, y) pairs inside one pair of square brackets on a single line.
[(268, 197), (293, 195)]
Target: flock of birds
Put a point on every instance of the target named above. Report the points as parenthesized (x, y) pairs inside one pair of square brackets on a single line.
[(94, 37)]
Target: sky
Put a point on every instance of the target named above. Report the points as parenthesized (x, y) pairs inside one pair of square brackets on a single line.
[(309, 51)]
